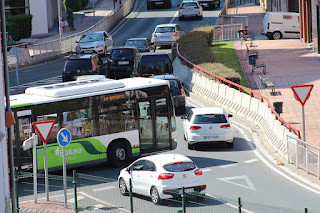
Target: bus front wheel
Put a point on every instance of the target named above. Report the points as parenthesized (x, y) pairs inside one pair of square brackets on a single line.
[(118, 154)]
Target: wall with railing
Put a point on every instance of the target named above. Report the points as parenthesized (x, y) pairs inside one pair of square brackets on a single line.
[(40, 52)]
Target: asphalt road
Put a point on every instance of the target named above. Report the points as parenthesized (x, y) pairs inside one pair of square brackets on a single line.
[(243, 171)]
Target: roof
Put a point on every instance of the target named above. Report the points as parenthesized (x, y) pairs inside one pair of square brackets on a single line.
[(96, 32), (82, 56), (124, 47), (283, 13), (154, 53), (166, 25), (167, 158), (166, 77), (208, 110)]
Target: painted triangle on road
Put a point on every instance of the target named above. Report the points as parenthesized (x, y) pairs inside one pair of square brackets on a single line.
[(246, 179)]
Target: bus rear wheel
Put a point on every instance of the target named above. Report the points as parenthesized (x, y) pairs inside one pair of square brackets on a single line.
[(118, 154)]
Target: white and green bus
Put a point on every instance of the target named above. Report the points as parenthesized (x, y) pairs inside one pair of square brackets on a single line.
[(110, 120)]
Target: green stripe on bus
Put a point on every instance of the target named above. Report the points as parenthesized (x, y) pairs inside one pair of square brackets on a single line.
[(21, 105), (77, 151)]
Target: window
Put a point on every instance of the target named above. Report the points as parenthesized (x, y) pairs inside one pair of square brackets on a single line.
[(138, 166), (180, 167), (189, 116), (209, 119), (150, 166)]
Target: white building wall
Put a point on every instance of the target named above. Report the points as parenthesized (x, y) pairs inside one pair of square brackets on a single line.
[(4, 171), (39, 10)]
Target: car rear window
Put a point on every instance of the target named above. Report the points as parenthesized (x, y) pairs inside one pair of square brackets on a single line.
[(79, 64), (179, 167), (155, 65), (210, 119), (137, 43), (165, 29), (190, 4), (122, 53)]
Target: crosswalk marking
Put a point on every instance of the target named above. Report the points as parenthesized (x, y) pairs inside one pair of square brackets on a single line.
[(103, 188), (251, 161), (228, 165)]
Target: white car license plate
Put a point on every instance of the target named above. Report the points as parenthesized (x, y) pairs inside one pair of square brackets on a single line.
[(158, 3), (165, 37), (123, 62), (204, 4), (187, 190), (210, 137)]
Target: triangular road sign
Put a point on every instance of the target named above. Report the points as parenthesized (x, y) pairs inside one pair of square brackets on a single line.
[(43, 128), (233, 180), (302, 92)]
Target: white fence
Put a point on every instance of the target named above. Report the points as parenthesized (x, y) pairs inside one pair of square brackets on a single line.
[(226, 32)]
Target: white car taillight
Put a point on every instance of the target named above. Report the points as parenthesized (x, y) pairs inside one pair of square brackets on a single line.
[(198, 172), (165, 176), (226, 126), (195, 127)]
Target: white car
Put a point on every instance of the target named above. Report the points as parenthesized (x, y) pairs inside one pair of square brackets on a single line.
[(99, 42), (190, 9), (162, 176), (166, 34), (207, 124)]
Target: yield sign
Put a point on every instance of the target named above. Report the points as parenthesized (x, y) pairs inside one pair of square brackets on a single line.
[(43, 128), (302, 92)]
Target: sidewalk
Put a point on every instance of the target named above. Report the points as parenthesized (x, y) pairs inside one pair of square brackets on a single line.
[(83, 20), (289, 62)]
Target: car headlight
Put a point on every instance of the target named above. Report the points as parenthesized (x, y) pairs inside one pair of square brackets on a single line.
[(99, 45)]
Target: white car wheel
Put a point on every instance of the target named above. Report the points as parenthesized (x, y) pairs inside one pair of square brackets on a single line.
[(155, 196), (123, 187)]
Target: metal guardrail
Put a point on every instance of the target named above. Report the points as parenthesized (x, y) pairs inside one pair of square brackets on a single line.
[(226, 32)]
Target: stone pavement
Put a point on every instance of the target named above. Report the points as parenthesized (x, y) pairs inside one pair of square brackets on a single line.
[(289, 62)]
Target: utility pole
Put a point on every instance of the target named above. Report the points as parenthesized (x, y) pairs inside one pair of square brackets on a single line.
[(5, 74)]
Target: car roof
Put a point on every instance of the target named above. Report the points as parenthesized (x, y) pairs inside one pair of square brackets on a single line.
[(167, 158), (96, 32), (82, 56), (166, 77), (137, 39), (207, 110), (187, 1), (124, 47), (166, 25), (154, 53)]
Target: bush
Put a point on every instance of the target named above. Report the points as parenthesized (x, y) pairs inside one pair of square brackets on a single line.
[(19, 26)]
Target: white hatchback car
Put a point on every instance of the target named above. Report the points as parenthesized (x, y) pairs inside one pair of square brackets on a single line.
[(190, 9), (162, 176), (166, 34), (207, 124), (99, 42)]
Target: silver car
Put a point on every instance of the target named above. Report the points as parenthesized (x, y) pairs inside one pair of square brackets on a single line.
[(166, 34), (99, 42)]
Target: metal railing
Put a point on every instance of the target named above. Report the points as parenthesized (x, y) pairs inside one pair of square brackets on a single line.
[(226, 32)]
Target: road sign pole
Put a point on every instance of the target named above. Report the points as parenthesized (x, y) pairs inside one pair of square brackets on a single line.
[(35, 179), (303, 124), (17, 75), (46, 184), (64, 177)]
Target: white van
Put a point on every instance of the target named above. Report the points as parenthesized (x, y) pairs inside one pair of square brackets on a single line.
[(277, 25)]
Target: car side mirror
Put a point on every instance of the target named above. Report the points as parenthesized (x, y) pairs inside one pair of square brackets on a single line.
[(230, 115), (183, 117), (77, 41), (182, 84), (128, 170)]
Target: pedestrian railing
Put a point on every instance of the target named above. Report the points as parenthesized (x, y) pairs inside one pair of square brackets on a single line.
[(227, 32), (100, 194)]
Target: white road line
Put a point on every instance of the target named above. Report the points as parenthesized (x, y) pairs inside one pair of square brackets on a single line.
[(244, 177), (316, 188), (175, 15), (206, 170), (228, 204), (104, 188), (78, 198), (251, 161), (228, 166)]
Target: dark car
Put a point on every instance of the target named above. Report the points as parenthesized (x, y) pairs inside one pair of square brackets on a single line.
[(158, 3), (77, 65), (209, 4), (177, 92), (154, 64), (122, 62), (143, 44)]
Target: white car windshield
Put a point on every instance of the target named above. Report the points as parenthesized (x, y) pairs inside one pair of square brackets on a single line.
[(91, 38)]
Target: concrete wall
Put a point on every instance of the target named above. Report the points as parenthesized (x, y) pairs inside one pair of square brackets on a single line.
[(39, 10)]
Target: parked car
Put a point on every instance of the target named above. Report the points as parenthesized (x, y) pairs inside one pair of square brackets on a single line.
[(177, 92), (154, 64), (162, 176), (207, 125), (143, 44), (158, 3), (78, 65), (277, 25), (190, 9), (96, 42), (166, 34), (209, 4), (123, 62)]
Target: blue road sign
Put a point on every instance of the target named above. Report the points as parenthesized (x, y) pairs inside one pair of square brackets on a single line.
[(64, 137)]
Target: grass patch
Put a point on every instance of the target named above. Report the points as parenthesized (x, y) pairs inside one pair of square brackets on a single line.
[(225, 53), (218, 58)]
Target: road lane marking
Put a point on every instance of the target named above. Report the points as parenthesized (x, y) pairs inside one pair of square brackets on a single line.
[(251, 161), (206, 170), (228, 166), (249, 184), (307, 184), (78, 198), (103, 188)]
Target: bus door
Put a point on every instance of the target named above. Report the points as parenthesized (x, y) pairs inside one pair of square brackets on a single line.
[(154, 125), (22, 132)]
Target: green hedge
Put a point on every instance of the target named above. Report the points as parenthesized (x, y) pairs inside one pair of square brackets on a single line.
[(19, 26)]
